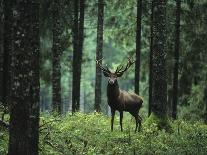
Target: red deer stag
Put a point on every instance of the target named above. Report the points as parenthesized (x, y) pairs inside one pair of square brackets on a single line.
[(119, 99)]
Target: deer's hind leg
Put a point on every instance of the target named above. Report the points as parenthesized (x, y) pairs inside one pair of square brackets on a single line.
[(137, 119), (121, 118)]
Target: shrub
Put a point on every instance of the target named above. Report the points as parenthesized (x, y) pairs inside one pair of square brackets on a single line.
[(90, 134)]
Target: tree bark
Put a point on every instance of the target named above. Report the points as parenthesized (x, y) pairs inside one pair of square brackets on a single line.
[(35, 90), (80, 45), (138, 45), (75, 91), (150, 63), (205, 102), (159, 93), (99, 51), (1, 48), (24, 108), (78, 38), (7, 43), (56, 50), (176, 58)]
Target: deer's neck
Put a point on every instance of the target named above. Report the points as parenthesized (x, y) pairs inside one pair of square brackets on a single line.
[(113, 91)]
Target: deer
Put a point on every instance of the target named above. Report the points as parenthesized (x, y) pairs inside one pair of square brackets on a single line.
[(120, 100)]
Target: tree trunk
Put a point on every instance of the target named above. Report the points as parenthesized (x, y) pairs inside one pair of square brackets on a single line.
[(82, 101), (159, 93), (35, 48), (176, 57), (56, 70), (70, 94), (1, 48), (7, 51), (99, 51), (78, 38), (75, 91), (150, 63), (24, 112), (205, 102), (80, 45), (138, 45)]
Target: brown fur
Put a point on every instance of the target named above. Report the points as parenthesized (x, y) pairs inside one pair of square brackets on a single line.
[(118, 99), (123, 101)]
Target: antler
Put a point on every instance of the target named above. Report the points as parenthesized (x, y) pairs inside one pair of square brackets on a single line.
[(105, 70), (119, 71)]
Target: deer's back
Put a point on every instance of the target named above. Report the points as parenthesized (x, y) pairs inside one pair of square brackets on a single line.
[(131, 101)]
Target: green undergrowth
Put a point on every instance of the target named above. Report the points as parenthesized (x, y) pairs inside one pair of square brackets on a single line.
[(90, 134), (162, 123)]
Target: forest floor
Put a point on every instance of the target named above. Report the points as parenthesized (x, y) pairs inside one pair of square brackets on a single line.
[(90, 134)]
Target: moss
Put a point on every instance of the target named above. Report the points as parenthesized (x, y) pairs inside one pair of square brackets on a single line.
[(160, 122)]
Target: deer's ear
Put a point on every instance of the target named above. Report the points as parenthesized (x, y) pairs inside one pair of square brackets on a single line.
[(105, 74)]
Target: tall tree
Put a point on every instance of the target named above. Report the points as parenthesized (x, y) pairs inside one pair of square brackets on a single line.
[(75, 96), (24, 107), (159, 92), (176, 57), (99, 51), (150, 62), (205, 102), (1, 48), (7, 46), (138, 45), (56, 69), (35, 49), (78, 38)]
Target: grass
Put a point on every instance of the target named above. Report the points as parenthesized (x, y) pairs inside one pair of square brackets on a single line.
[(90, 134)]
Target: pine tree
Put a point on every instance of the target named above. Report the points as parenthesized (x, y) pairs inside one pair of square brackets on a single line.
[(159, 91), (138, 45), (78, 38), (150, 63), (56, 69), (7, 47), (1, 48), (99, 51), (35, 100), (75, 96), (176, 57), (24, 107), (205, 102)]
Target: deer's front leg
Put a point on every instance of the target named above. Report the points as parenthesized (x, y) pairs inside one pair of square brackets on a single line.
[(112, 118), (121, 118)]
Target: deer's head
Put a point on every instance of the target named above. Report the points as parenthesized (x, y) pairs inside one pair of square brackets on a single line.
[(112, 76)]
